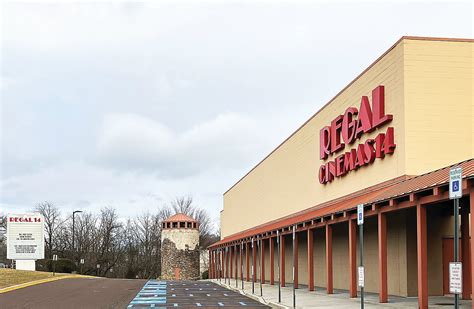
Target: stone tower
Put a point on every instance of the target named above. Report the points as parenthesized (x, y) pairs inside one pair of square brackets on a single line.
[(180, 248)]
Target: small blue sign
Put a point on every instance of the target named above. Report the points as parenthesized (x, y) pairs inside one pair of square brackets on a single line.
[(456, 186)]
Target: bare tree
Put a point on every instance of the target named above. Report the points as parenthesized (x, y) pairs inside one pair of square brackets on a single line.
[(108, 240), (132, 248), (52, 217), (185, 205), (3, 245)]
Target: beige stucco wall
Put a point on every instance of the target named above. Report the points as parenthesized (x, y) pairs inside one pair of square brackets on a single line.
[(428, 90), (439, 104)]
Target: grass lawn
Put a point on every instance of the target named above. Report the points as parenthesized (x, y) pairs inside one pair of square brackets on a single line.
[(9, 277)]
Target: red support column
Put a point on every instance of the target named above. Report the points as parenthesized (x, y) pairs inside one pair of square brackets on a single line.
[(241, 263), (272, 262), (236, 263), (352, 258), (310, 259), (216, 258), (223, 263), (226, 260), (262, 262), (247, 260), (295, 259), (329, 281), (421, 233), (254, 263), (382, 229), (282, 260), (219, 265), (466, 258), (211, 275), (214, 266), (231, 262)]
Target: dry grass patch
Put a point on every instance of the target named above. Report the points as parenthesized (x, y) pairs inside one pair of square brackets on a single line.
[(10, 277)]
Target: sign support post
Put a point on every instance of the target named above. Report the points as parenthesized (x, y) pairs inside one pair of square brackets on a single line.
[(259, 248), (55, 258), (455, 269), (456, 244), (360, 223)]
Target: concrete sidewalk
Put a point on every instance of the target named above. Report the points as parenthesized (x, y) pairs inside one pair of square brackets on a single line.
[(340, 298)]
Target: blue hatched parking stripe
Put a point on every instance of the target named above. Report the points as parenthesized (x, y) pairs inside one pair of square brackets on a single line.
[(152, 293)]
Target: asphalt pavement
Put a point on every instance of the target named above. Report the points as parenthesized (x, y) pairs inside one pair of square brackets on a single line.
[(83, 293), (92, 293), (190, 294)]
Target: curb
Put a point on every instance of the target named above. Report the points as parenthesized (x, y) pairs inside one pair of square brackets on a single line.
[(31, 283)]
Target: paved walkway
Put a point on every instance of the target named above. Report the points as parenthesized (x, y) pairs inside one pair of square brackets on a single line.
[(340, 298)]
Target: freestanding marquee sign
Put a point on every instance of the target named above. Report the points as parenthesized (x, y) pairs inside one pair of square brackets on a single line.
[(25, 239)]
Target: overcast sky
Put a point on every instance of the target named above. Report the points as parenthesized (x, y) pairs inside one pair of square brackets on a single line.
[(129, 105)]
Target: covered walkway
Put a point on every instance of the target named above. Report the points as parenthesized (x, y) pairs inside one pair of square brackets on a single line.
[(409, 217), (339, 300)]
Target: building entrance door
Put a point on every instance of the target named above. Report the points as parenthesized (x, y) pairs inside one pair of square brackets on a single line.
[(177, 272)]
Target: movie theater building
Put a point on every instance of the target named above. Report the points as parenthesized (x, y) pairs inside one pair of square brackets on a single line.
[(386, 141)]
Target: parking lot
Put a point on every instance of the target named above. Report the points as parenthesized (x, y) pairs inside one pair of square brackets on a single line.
[(186, 294)]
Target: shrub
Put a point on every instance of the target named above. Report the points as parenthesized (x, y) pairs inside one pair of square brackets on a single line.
[(62, 265)]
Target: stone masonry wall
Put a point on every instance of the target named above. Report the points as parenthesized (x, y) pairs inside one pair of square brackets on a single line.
[(180, 249)]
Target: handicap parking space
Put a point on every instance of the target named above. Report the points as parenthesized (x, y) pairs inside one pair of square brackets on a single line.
[(190, 294), (153, 294)]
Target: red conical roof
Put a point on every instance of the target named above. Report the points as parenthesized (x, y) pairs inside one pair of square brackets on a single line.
[(180, 217)]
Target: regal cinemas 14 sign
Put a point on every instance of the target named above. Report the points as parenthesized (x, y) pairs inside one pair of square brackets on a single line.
[(350, 127)]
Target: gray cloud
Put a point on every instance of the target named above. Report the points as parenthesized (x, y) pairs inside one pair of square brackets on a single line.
[(130, 105)]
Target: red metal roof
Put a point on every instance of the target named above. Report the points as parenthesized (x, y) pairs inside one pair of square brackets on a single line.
[(180, 217), (384, 191)]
